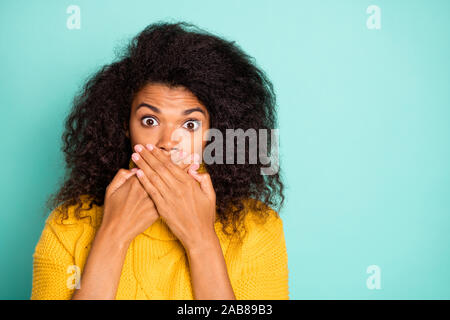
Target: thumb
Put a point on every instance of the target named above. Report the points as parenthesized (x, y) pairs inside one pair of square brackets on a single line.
[(205, 182), (119, 179)]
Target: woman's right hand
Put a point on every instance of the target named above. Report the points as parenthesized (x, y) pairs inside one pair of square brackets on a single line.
[(128, 209)]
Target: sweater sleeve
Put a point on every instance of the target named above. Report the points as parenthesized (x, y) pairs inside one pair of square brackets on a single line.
[(265, 271), (53, 267)]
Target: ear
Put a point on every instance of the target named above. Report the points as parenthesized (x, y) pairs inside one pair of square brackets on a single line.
[(125, 128)]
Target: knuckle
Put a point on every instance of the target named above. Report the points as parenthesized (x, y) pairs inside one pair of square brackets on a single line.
[(156, 179), (170, 165), (178, 192), (152, 192), (158, 167), (152, 177)]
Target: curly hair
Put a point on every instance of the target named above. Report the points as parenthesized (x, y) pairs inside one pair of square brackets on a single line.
[(236, 93)]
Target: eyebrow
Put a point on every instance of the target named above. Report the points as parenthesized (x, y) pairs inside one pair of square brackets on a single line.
[(157, 110)]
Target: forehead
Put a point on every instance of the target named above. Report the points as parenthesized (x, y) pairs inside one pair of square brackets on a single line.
[(165, 97)]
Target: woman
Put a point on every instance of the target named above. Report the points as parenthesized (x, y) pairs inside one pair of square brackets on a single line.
[(140, 215)]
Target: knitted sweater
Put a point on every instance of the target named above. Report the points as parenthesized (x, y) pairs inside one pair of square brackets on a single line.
[(156, 265)]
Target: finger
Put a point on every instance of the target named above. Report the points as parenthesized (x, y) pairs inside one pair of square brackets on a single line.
[(181, 158), (151, 175), (151, 190), (119, 179), (176, 173), (194, 163), (193, 158), (181, 173), (188, 162), (184, 160), (205, 183), (158, 164)]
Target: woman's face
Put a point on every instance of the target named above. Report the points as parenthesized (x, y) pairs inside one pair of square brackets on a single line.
[(171, 119)]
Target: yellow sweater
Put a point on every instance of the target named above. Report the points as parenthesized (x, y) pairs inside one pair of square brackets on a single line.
[(156, 265)]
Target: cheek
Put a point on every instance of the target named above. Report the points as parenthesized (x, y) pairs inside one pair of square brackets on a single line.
[(135, 133), (203, 142), (192, 143), (140, 135)]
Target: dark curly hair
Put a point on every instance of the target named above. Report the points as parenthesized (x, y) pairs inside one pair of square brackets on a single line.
[(236, 93)]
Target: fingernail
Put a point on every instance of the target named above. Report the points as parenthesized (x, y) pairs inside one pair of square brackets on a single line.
[(149, 147), (194, 172), (140, 173), (134, 169), (195, 166), (138, 148), (135, 156)]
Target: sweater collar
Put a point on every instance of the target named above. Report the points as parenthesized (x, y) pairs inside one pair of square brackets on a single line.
[(159, 229)]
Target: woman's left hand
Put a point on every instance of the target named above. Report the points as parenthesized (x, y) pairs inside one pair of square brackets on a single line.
[(185, 201)]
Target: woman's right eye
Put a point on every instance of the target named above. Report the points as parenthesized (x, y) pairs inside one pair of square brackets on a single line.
[(149, 121)]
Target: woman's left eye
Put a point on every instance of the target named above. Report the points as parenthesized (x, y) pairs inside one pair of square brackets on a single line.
[(192, 125)]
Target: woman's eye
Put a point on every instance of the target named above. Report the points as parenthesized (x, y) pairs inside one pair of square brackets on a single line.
[(192, 125), (149, 121)]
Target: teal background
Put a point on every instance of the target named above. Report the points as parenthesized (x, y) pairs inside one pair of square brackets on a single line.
[(364, 129)]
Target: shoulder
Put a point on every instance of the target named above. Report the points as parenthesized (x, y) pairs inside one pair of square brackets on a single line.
[(82, 213), (71, 227), (262, 223), (262, 242), (260, 216), (67, 234)]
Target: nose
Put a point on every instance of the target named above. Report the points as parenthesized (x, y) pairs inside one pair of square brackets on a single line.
[(166, 142)]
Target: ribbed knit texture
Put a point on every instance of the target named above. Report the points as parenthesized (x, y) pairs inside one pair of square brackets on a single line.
[(156, 265)]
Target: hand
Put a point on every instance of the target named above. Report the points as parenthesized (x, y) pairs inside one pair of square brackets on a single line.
[(186, 201), (128, 209)]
